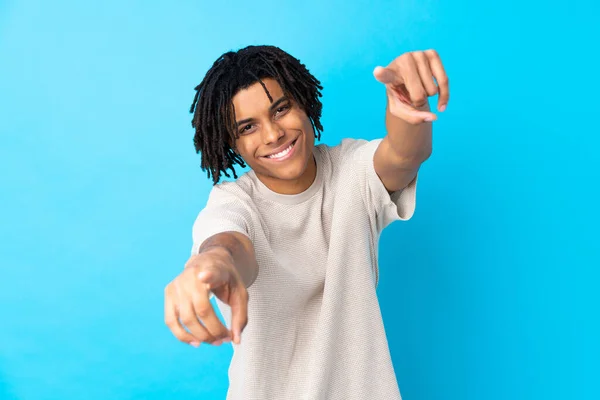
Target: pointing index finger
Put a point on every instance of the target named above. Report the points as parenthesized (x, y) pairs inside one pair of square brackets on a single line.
[(385, 75)]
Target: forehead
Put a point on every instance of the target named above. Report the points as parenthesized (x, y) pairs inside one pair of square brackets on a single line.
[(254, 100)]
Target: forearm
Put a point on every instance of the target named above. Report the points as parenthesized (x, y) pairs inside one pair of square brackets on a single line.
[(241, 250), (411, 144)]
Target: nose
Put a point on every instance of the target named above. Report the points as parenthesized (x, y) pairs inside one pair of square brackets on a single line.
[(272, 133)]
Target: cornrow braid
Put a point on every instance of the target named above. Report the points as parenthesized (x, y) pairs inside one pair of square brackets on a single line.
[(213, 111)]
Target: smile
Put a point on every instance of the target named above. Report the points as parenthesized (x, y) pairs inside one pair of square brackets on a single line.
[(284, 154)]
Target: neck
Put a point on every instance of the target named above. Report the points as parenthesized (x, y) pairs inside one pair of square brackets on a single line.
[(292, 186)]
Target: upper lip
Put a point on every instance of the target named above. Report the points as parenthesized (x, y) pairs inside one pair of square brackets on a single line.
[(280, 148)]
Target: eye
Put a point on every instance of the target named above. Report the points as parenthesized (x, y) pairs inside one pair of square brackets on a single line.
[(282, 109), (246, 128)]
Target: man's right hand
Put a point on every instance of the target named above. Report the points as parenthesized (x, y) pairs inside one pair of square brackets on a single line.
[(187, 301)]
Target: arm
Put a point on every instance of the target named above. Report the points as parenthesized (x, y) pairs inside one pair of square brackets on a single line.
[(240, 248), (223, 264), (402, 151), (408, 143)]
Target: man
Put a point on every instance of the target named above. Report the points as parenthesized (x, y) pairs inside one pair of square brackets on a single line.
[(290, 248)]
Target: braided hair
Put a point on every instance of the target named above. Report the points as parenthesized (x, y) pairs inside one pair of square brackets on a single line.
[(214, 114)]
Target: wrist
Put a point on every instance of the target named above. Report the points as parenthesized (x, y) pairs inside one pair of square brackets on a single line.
[(217, 251)]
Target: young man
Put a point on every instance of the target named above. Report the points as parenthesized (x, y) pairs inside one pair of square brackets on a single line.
[(290, 248)]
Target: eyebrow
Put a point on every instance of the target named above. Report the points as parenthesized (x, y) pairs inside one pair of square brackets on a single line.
[(271, 108)]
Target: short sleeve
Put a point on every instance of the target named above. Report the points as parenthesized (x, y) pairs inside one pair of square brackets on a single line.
[(397, 206), (224, 212)]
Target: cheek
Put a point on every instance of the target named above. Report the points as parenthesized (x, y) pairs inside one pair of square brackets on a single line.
[(244, 147), (247, 151), (309, 131), (304, 122)]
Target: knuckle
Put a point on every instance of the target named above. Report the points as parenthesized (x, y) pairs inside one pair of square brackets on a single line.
[(419, 100), (188, 319), (403, 61), (168, 289), (432, 53), (202, 310), (418, 54), (432, 91)]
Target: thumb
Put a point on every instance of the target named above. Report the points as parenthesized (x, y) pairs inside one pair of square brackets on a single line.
[(384, 75)]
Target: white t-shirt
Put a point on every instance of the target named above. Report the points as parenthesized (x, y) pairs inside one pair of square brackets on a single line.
[(314, 328)]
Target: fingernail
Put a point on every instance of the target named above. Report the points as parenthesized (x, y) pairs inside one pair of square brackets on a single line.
[(428, 119), (442, 108), (218, 343), (195, 344), (226, 340)]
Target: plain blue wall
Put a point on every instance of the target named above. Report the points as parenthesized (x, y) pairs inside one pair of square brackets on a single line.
[(488, 293)]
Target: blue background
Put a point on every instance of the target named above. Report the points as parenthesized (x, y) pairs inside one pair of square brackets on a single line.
[(489, 292)]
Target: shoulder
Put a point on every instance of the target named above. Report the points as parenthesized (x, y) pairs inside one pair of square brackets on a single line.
[(228, 204), (237, 192)]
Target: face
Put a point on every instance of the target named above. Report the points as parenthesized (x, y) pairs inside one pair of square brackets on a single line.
[(276, 139)]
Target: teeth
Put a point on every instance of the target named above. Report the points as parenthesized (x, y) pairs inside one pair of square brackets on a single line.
[(282, 153)]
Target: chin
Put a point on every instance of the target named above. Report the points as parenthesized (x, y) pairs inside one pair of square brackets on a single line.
[(292, 172), (291, 176)]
